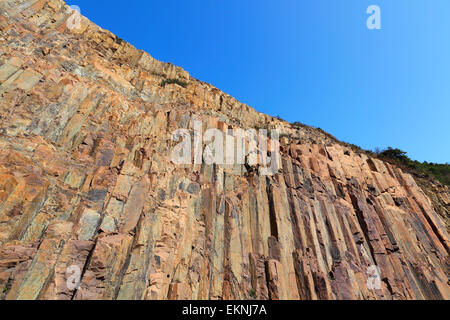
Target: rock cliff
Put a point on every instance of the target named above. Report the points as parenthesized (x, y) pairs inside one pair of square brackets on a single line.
[(88, 189)]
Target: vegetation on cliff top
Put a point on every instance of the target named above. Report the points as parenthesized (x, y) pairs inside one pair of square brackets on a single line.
[(440, 172)]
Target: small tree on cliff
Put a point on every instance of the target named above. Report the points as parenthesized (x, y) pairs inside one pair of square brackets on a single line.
[(396, 154)]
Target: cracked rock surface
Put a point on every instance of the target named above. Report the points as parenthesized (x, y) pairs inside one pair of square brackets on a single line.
[(87, 184)]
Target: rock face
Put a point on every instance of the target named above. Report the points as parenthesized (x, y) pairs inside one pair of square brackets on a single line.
[(88, 190)]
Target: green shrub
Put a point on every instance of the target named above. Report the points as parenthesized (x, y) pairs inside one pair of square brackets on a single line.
[(173, 81), (391, 153), (440, 172)]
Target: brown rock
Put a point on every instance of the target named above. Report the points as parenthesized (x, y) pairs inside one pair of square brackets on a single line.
[(86, 180)]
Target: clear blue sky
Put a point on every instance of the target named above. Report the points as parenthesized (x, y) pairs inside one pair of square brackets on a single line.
[(312, 61)]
